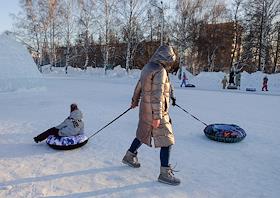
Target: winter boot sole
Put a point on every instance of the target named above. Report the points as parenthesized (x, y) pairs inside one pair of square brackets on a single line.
[(129, 164), (169, 183)]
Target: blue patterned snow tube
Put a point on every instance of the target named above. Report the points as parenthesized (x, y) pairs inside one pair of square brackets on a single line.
[(228, 133), (66, 142)]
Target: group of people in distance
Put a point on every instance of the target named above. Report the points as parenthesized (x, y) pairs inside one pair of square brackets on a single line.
[(235, 80)]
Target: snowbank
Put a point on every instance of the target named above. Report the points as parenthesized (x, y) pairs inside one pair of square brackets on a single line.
[(203, 81), (212, 81), (118, 73), (18, 70)]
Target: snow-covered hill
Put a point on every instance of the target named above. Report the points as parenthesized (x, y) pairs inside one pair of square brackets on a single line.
[(18, 70)]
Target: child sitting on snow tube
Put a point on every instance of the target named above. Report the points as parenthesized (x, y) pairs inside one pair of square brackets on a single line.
[(71, 126)]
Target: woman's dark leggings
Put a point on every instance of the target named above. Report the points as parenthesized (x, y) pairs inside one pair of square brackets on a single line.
[(164, 152), (47, 133)]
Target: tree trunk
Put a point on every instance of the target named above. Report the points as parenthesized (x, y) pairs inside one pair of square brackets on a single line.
[(86, 50), (277, 52), (128, 56), (236, 33), (261, 40)]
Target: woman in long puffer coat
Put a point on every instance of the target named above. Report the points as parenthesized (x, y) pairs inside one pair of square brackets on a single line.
[(154, 92)]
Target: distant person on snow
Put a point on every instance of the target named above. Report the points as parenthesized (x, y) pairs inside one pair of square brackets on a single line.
[(184, 80), (265, 81), (224, 82), (238, 79), (66, 69), (231, 78), (155, 91), (72, 125)]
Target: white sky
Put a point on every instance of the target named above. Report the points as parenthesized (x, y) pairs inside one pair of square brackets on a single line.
[(12, 7), (7, 8)]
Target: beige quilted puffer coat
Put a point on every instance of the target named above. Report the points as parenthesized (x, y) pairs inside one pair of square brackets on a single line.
[(154, 91)]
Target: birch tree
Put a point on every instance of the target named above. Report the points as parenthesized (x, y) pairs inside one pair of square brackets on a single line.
[(260, 16), (188, 13), (86, 22), (29, 29), (276, 42), (217, 14), (107, 19), (68, 28), (131, 12), (54, 28), (235, 52)]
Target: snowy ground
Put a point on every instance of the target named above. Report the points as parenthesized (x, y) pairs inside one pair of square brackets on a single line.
[(249, 169)]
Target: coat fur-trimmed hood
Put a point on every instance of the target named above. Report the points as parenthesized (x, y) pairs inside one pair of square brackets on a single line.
[(164, 55)]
